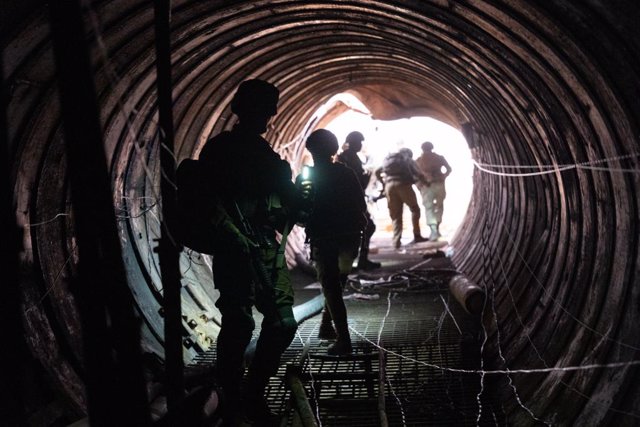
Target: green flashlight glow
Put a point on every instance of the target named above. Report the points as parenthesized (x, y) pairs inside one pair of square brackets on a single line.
[(306, 173)]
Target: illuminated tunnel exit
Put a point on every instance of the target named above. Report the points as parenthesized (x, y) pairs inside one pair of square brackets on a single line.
[(544, 91), (383, 137)]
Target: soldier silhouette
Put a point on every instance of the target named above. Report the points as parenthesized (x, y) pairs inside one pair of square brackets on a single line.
[(252, 196)]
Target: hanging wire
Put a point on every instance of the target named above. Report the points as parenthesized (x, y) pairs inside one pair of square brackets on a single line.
[(549, 169), (538, 353), (487, 283), (550, 296), (387, 379)]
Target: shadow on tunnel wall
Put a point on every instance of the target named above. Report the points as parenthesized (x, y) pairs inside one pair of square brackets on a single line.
[(548, 95)]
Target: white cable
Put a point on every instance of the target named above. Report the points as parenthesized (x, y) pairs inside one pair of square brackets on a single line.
[(557, 169), (550, 296), (547, 169), (612, 365)]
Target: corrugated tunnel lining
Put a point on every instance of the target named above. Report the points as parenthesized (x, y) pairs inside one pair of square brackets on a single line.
[(541, 83)]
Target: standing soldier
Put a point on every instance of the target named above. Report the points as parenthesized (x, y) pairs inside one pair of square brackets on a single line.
[(398, 173), (254, 196), (351, 159), (433, 191), (334, 229)]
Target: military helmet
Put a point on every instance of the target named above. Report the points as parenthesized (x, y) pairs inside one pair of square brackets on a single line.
[(406, 153), (322, 142), (255, 97), (354, 136)]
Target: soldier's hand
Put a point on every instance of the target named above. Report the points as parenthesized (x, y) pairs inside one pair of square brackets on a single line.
[(229, 237), (306, 189), (245, 245)]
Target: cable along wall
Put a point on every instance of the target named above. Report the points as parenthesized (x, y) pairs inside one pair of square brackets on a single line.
[(545, 85)]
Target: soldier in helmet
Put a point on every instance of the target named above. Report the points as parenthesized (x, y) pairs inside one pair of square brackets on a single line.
[(398, 173), (435, 169), (350, 158), (253, 190), (334, 227)]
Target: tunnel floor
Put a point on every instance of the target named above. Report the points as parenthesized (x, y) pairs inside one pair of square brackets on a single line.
[(407, 331)]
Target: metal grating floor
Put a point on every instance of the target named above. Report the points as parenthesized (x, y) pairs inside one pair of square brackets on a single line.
[(416, 333), (419, 335)]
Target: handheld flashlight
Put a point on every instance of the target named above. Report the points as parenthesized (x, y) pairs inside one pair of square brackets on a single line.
[(306, 173)]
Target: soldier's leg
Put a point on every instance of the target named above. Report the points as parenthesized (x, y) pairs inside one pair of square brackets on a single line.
[(234, 336), (347, 251), (235, 305), (428, 197), (438, 200), (363, 257), (410, 199), (394, 202), (277, 331), (330, 261), (437, 195), (326, 331)]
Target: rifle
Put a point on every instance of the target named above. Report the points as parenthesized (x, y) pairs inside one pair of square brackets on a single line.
[(381, 195), (264, 281)]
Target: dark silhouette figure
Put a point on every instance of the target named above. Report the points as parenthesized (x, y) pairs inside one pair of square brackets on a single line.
[(333, 228), (432, 190), (253, 196), (350, 158), (398, 173)]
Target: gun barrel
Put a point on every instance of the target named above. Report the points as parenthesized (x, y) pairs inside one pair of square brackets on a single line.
[(263, 279)]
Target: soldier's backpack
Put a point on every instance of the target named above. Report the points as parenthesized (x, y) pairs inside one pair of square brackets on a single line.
[(194, 206), (395, 164)]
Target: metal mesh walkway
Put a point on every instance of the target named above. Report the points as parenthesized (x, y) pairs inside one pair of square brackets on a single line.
[(418, 332)]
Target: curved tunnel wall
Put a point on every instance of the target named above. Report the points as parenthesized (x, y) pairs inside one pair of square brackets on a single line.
[(546, 83)]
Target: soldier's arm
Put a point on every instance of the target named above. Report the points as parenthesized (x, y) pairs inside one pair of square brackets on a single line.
[(446, 167), (417, 173)]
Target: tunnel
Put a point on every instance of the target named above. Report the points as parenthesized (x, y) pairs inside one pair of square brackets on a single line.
[(546, 93)]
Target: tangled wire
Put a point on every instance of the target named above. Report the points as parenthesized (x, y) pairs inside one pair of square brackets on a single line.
[(422, 280)]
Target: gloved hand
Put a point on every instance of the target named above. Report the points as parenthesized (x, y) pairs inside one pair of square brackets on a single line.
[(233, 239), (306, 189)]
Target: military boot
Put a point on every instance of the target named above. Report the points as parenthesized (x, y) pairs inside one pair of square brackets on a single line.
[(342, 345), (326, 331), (338, 312), (364, 263), (255, 408), (418, 239)]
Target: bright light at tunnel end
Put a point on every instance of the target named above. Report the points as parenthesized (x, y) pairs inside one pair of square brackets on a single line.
[(385, 136)]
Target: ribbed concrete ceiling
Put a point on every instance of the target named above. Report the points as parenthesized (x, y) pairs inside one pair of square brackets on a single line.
[(545, 83)]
